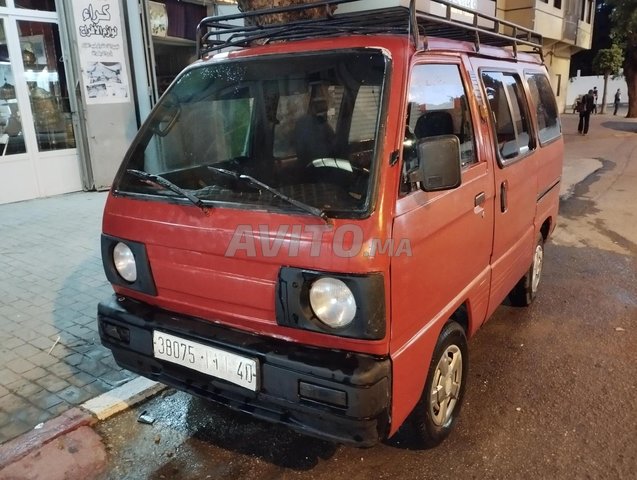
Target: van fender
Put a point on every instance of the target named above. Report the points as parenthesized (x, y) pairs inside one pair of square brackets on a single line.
[(410, 363)]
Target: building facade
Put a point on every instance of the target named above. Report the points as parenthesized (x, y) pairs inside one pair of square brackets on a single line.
[(77, 77), (566, 27)]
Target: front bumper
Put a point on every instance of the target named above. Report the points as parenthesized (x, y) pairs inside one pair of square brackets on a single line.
[(347, 401)]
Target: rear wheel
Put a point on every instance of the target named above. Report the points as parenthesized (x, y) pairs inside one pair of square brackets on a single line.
[(525, 291), (439, 406)]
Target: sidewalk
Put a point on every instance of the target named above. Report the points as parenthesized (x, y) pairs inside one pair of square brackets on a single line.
[(582, 154), (51, 279)]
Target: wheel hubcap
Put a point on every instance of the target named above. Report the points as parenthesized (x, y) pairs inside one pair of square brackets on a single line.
[(445, 387), (538, 259)]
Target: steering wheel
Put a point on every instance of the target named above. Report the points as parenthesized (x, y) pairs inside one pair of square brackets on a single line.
[(237, 162), (341, 172)]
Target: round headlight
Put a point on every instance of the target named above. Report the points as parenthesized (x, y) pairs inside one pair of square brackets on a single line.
[(124, 261), (333, 302)]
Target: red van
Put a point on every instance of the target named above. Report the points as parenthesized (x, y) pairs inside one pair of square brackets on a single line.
[(309, 227)]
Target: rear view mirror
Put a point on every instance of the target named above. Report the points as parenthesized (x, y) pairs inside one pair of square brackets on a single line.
[(438, 163), (165, 117)]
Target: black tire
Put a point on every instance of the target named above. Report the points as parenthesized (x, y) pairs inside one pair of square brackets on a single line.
[(431, 425), (525, 291)]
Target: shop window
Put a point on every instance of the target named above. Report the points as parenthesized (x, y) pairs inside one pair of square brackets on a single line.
[(183, 18), (170, 20), (44, 5), (11, 136), (46, 82)]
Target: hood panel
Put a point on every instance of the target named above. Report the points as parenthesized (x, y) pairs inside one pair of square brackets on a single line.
[(190, 261)]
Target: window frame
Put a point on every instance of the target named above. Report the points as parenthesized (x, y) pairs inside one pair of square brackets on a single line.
[(375, 172), (559, 120), (468, 90), (505, 162)]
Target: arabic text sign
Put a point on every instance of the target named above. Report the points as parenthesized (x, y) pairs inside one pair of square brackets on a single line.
[(101, 45)]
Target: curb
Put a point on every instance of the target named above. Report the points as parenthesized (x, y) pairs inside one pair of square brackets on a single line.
[(122, 397), (87, 414)]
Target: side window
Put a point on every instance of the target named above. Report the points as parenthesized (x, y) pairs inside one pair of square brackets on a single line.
[(510, 117), (548, 120), (438, 106), (365, 113)]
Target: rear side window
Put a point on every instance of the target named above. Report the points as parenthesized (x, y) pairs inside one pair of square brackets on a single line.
[(510, 116), (548, 120)]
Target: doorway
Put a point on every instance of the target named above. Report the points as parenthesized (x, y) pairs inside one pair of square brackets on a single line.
[(38, 155)]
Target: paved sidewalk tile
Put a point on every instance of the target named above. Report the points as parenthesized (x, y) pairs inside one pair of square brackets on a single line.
[(51, 279)]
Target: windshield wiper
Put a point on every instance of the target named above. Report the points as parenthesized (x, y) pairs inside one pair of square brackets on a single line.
[(256, 183), (164, 182)]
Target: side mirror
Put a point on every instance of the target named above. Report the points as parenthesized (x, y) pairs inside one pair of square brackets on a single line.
[(438, 163)]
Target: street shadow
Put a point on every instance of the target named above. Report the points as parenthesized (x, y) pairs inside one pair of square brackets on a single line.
[(577, 204), (213, 424), (406, 438), (621, 126), (84, 364)]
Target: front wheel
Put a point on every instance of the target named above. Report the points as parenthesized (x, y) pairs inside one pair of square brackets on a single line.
[(439, 406), (525, 291)]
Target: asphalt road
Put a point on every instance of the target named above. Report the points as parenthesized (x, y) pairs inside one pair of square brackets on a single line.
[(552, 389)]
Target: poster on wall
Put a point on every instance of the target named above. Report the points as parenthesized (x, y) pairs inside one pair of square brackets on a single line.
[(101, 45)]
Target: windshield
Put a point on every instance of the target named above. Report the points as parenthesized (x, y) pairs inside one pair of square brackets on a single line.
[(305, 126)]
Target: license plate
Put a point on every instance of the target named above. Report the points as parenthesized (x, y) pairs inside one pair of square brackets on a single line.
[(242, 371)]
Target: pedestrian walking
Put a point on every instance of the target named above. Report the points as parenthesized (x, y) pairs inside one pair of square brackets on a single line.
[(576, 104), (618, 98), (595, 100), (585, 109)]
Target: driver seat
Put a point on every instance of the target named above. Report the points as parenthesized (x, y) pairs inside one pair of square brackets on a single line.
[(313, 135)]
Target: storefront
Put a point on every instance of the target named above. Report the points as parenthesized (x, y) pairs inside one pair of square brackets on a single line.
[(77, 77), (163, 41), (38, 154)]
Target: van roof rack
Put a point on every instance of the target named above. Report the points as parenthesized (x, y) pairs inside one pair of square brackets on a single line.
[(217, 33)]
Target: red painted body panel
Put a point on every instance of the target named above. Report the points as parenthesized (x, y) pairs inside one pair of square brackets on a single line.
[(461, 254), (451, 242), (514, 236), (193, 275)]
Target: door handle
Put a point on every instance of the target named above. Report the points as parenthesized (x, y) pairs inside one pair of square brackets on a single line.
[(478, 201), (504, 187)]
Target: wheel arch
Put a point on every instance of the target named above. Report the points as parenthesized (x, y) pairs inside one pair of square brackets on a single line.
[(547, 228), (462, 317)]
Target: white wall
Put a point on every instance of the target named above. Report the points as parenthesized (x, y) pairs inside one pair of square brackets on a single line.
[(581, 85)]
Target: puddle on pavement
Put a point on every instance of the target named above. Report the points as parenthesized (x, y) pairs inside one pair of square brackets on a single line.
[(186, 429)]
